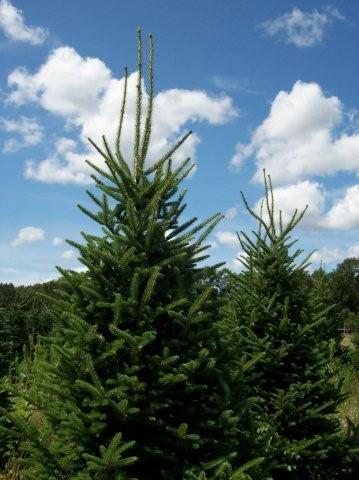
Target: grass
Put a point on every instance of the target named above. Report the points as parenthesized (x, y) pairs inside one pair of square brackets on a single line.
[(349, 410), (11, 473)]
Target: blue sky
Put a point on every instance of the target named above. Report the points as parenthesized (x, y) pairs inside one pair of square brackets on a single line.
[(263, 84)]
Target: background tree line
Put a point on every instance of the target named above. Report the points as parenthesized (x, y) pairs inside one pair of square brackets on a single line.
[(24, 311)]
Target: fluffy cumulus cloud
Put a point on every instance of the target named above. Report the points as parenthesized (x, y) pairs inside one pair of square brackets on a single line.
[(327, 256), (68, 254), (302, 29), (236, 264), (85, 94), (290, 198), (300, 137), (331, 256), (13, 25), (28, 235), (57, 241), (63, 166), (227, 238), (344, 214), (29, 132), (67, 84), (231, 213)]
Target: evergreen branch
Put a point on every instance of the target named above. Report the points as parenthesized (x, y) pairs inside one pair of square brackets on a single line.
[(69, 277), (122, 113), (258, 218), (118, 170), (132, 217), (280, 222), (178, 171), (76, 245), (94, 198), (115, 193), (100, 171), (149, 288), (91, 292), (238, 474), (181, 228), (93, 216), (271, 202), (212, 221), (148, 121), (200, 301), (185, 173), (136, 153), (135, 286), (101, 152), (269, 206), (168, 154), (172, 259), (201, 258), (126, 257), (98, 182), (261, 216)]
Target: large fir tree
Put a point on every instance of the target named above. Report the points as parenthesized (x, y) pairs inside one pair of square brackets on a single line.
[(129, 385), (276, 322)]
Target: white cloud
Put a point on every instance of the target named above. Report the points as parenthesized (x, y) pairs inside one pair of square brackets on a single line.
[(81, 269), (213, 244), (296, 197), (344, 214), (327, 255), (13, 25), (68, 254), (28, 235), (302, 29), (231, 213), (58, 89), (353, 251), (300, 138), (236, 265), (243, 151), (31, 133), (63, 166), (331, 256), (89, 102), (229, 239), (21, 277), (57, 241)]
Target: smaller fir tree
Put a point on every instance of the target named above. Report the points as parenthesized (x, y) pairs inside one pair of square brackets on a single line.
[(278, 326)]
